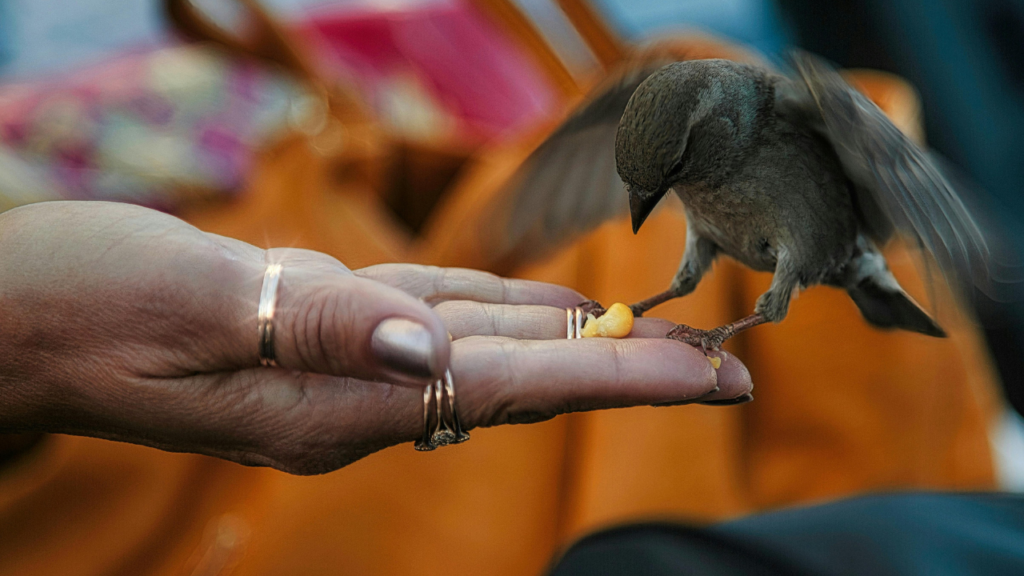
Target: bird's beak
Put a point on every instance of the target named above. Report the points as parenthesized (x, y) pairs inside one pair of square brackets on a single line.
[(641, 204)]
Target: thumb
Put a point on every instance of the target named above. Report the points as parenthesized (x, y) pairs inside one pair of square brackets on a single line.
[(328, 321)]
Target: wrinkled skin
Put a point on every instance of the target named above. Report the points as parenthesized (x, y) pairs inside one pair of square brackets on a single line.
[(128, 324)]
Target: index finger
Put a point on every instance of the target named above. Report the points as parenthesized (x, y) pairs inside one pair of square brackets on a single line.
[(434, 285), (465, 318), (504, 381)]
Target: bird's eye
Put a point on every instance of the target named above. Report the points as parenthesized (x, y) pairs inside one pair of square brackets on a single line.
[(676, 169)]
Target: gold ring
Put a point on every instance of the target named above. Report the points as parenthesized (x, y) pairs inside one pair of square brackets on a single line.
[(265, 318)]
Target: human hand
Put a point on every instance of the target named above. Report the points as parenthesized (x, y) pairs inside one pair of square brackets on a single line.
[(128, 324)]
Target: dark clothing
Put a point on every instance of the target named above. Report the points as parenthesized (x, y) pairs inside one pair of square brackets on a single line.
[(907, 534)]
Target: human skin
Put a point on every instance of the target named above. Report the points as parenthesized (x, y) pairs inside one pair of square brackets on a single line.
[(128, 324)]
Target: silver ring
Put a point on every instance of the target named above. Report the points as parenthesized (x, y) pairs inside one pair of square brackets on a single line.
[(426, 443), (447, 428), (574, 323), (443, 433), (449, 386), (265, 318)]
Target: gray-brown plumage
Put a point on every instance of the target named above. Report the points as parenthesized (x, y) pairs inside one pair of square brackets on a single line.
[(799, 175)]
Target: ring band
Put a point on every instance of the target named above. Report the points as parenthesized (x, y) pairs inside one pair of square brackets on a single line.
[(574, 323), (449, 386), (265, 318), (425, 444), (447, 428), (443, 433)]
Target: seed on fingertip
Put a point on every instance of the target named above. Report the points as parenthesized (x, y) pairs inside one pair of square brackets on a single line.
[(715, 362), (617, 322)]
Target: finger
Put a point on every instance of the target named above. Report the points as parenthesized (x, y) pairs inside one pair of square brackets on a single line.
[(734, 380), (311, 424), (465, 318), (294, 256), (435, 285), (307, 259), (510, 381), (328, 321)]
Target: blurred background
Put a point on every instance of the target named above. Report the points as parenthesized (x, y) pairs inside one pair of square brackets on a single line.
[(69, 133), (216, 120)]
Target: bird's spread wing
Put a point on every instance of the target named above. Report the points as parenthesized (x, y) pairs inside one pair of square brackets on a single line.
[(569, 184), (895, 179)]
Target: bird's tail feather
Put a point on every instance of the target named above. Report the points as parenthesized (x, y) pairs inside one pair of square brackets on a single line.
[(886, 305)]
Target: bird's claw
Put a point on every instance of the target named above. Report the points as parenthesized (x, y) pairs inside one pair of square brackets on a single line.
[(703, 339), (592, 307)]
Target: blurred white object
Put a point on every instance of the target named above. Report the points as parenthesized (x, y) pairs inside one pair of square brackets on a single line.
[(1008, 450), (21, 183)]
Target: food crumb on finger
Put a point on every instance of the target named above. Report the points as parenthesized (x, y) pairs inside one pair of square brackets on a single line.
[(616, 322)]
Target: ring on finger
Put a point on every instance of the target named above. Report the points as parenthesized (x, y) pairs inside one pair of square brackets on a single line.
[(265, 315), (573, 323), (447, 427)]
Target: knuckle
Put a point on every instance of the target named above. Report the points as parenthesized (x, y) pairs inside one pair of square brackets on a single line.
[(508, 404), (464, 318), (312, 329), (450, 310)]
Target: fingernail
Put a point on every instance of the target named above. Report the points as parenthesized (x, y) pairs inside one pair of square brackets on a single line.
[(405, 348), (685, 402), (730, 402)]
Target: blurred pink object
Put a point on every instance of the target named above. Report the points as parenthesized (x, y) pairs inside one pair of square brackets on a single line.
[(466, 66), (152, 127), (155, 126)]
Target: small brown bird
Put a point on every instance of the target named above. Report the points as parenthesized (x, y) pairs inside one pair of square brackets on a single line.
[(797, 174)]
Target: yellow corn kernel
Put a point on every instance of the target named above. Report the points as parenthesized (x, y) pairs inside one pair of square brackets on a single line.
[(617, 322), (715, 362)]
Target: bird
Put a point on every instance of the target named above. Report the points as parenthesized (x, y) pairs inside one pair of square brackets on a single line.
[(791, 172)]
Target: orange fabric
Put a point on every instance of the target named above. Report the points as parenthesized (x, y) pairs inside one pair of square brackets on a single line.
[(841, 409), (298, 197)]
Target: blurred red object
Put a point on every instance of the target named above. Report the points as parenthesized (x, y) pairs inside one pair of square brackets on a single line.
[(444, 54)]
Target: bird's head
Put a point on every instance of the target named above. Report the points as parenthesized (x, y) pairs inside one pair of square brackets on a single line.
[(687, 123)]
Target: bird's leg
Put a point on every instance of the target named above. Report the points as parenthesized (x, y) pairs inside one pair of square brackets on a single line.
[(772, 306), (660, 298), (700, 253), (713, 339)]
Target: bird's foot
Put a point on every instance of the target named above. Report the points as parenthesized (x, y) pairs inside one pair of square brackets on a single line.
[(592, 307), (713, 339), (638, 309), (703, 339)]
